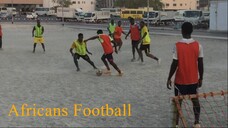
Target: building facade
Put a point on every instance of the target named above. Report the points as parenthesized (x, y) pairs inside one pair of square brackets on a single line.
[(180, 4), (22, 5), (105, 3), (85, 5)]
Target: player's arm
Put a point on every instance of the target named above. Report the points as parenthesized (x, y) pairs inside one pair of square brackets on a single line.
[(124, 33), (71, 49), (201, 70), (92, 38), (42, 30), (87, 49), (127, 34), (33, 31), (173, 68), (108, 29), (144, 35)]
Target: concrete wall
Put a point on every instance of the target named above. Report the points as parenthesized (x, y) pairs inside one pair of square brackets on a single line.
[(218, 15)]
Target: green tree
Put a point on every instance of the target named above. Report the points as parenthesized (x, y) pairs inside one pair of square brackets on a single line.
[(156, 4), (64, 3)]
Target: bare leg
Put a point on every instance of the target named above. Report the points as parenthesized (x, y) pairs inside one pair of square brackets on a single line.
[(76, 62), (103, 58), (34, 47), (43, 46), (86, 58)]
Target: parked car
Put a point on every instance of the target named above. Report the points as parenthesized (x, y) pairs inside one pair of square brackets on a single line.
[(31, 15), (5, 16)]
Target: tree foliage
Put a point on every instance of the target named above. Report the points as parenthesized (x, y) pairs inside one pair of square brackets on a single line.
[(156, 4), (64, 3)]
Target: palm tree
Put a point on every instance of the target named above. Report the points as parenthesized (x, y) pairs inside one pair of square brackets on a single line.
[(64, 3)]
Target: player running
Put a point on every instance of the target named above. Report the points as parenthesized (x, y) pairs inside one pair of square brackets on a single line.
[(39, 31), (135, 37), (111, 28), (80, 51), (117, 35), (145, 43), (108, 50)]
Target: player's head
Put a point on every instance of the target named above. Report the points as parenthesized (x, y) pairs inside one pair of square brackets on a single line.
[(186, 29), (99, 32), (119, 23), (132, 20), (38, 22), (142, 24), (112, 21), (80, 37)]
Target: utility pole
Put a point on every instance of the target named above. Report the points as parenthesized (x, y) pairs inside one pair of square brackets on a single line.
[(62, 13), (12, 11), (148, 9)]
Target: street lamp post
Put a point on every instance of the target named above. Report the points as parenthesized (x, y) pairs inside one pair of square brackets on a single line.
[(62, 13), (12, 11), (148, 9)]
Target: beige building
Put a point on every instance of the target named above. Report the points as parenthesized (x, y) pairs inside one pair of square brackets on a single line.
[(85, 5), (180, 4), (38, 2), (22, 5)]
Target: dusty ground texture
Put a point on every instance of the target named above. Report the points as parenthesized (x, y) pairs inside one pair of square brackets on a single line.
[(50, 79)]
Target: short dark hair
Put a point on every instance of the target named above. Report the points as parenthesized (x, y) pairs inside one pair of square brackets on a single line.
[(142, 22), (99, 31), (80, 34), (187, 28)]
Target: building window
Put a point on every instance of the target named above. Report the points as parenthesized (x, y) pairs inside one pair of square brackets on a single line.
[(180, 4), (91, 2), (167, 5), (173, 0), (78, 2), (174, 4), (73, 2)]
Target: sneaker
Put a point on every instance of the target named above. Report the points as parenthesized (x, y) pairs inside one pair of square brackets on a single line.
[(142, 63), (159, 61), (78, 70), (120, 74), (107, 72), (196, 126), (133, 59)]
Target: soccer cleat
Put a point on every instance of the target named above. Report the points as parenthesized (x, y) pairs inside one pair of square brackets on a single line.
[(78, 69), (196, 126)]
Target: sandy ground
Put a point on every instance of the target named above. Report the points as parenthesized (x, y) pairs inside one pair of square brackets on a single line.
[(50, 79)]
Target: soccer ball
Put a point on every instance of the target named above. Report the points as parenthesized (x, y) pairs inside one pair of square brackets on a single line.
[(99, 73)]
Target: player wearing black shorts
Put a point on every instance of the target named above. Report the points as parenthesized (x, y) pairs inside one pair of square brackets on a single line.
[(188, 68), (145, 43)]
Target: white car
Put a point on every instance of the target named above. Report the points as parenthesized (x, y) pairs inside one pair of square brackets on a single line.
[(31, 15)]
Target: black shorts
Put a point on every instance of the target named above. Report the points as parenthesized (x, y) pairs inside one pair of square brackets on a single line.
[(81, 56), (109, 57), (135, 43), (145, 47), (185, 89)]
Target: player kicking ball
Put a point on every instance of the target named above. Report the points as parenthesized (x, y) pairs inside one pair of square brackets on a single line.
[(108, 50), (81, 51)]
